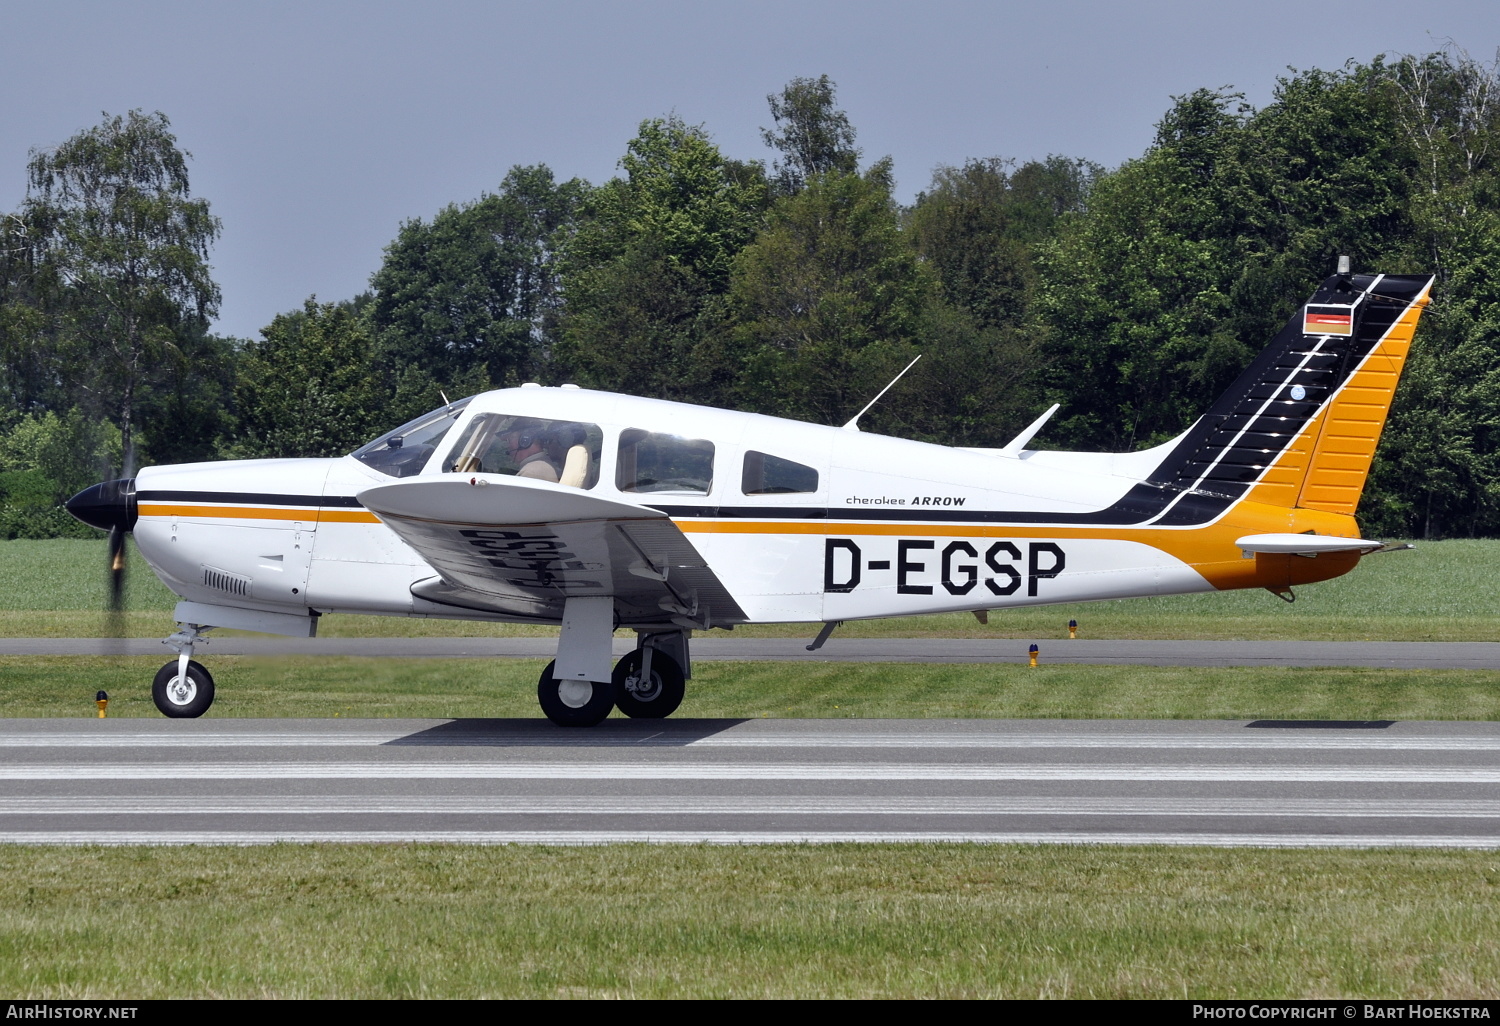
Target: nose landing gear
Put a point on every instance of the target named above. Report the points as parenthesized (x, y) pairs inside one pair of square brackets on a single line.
[(184, 689), (183, 695)]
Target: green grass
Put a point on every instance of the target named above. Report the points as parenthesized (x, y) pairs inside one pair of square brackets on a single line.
[(1441, 591), (64, 686), (775, 921)]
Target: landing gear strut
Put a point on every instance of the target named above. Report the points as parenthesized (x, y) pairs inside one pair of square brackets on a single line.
[(183, 689)]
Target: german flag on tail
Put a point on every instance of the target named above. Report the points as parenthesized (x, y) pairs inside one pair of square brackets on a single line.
[(1327, 319)]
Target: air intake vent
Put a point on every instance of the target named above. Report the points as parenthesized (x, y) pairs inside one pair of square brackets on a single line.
[(223, 580)]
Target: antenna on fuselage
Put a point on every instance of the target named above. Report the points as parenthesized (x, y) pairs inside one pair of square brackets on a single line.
[(1015, 446), (853, 424)]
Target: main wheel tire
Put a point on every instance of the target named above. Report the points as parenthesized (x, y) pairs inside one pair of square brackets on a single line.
[(653, 699), (574, 703), (183, 699)]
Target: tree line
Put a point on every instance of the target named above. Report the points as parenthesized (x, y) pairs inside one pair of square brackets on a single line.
[(795, 286)]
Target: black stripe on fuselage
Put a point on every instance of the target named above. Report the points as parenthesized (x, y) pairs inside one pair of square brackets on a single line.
[(250, 499)]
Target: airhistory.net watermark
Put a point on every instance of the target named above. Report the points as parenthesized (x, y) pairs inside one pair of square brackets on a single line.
[(50, 1010)]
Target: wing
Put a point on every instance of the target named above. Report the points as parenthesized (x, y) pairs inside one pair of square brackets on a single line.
[(522, 546)]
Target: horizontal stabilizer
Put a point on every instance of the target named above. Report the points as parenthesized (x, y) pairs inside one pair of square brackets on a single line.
[(1304, 544)]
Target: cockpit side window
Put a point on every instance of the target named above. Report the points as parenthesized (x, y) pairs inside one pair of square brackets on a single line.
[(765, 474), (406, 450), (652, 461), (566, 452)]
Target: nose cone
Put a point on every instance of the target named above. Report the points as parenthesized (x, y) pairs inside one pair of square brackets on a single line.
[(107, 505)]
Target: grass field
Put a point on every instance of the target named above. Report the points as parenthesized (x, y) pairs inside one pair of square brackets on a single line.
[(64, 686), (773, 921), (1440, 591)]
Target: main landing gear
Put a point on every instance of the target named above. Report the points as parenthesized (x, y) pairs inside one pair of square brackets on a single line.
[(578, 689), (183, 689), (639, 690)]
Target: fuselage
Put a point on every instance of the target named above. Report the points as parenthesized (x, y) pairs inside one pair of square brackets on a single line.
[(801, 522)]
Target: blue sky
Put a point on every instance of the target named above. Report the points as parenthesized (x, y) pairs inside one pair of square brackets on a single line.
[(316, 128)]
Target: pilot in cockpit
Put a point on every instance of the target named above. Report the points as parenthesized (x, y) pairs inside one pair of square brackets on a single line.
[(526, 442)]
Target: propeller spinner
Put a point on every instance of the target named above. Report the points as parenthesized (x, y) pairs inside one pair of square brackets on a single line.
[(109, 506)]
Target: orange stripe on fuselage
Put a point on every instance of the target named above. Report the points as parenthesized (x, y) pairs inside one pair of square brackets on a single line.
[(213, 512)]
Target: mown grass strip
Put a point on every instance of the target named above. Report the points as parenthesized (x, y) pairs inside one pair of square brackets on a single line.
[(1441, 591), (767, 921), (347, 686)]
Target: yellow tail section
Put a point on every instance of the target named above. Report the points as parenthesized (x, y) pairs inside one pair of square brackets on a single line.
[(1326, 466)]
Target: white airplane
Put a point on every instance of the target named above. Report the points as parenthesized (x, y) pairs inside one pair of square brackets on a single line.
[(596, 511)]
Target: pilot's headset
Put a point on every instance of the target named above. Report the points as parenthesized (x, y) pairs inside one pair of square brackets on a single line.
[(527, 432)]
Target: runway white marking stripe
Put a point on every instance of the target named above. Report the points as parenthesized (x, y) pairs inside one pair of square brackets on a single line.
[(1295, 741), (147, 740), (721, 771), (582, 837), (614, 805), (1300, 742)]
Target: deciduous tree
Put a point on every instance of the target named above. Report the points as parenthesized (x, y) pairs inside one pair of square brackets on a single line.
[(474, 290), (120, 250), (813, 135), (645, 272)]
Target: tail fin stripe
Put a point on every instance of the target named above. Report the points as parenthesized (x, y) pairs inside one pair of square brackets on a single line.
[(1212, 467)]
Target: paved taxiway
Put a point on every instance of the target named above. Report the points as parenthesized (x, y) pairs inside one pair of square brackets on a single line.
[(490, 781), (1438, 655)]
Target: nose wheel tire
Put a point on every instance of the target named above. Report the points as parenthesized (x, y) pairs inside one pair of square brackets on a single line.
[(648, 699), (179, 698), (574, 703)]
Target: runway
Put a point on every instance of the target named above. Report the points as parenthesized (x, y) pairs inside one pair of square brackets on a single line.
[(1436, 655), (1236, 783)]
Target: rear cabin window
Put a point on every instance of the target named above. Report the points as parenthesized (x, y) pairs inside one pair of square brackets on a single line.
[(562, 451), (765, 474), (651, 461)]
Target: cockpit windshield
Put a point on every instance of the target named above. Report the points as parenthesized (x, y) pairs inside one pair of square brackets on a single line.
[(406, 450)]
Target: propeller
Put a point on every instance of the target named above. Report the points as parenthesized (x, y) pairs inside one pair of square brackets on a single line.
[(110, 506), (117, 560)]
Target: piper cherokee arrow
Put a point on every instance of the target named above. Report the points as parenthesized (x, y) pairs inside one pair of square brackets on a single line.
[(595, 512)]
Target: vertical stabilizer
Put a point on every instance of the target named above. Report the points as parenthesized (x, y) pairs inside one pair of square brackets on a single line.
[(1300, 425)]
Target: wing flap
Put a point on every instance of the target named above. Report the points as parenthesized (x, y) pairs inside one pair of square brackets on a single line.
[(523, 547)]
